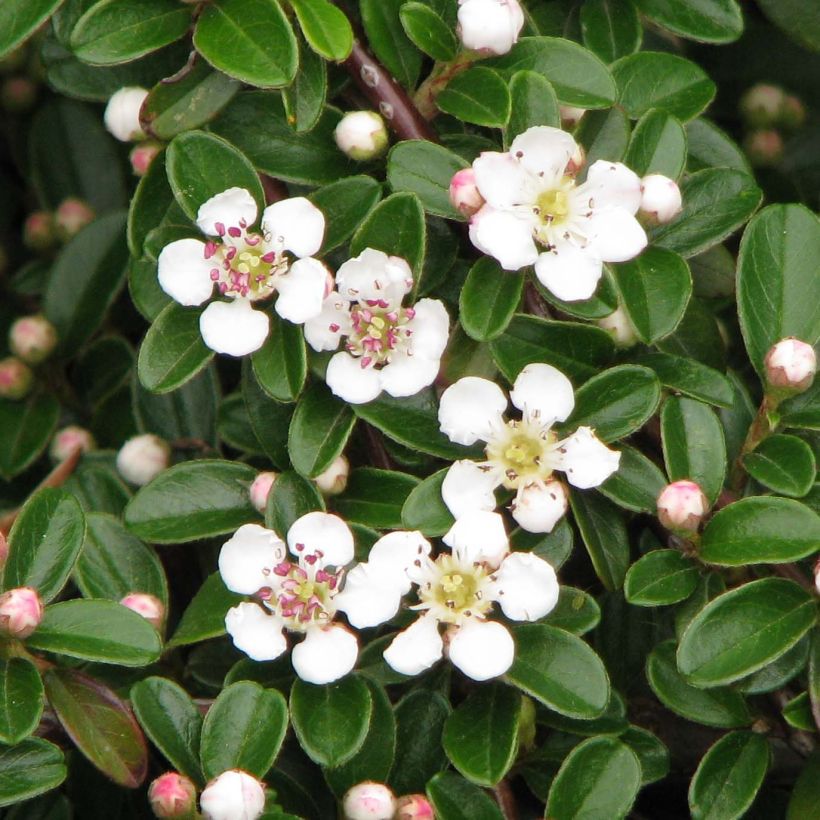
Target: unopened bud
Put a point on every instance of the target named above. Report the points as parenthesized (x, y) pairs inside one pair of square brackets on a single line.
[(681, 506), (143, 458), (122, 114), (172, 795), (18, 94), (489, 26), (334, 479), (464, 194), (16, 379), (260, 489), (234, 795), (660, 199), (576, 161), (71, 216), (32, 338), (414, 807), (39, 231), (361, 135), (817, 576), (142, 156), (793, 114), (619, 327), (764, 148), (791, 364), (369, 801), (21, 611), (69, 439), (149, 606), (570, 116), (761, 105)]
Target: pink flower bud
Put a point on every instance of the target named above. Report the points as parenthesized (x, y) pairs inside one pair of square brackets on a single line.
[(71, 216), (69, 439), (764, 148), (791, 364), (576, 161), (260, 489), (33, 339), (18, 94), (122, 114), (143, 458), (39, 232), (570, 116), (369, 801), (172, 795), (414, 807), (334, 479), (618, 326), (464, 194), (234, 795), (793, 112), (660, 199), (20, 612), (681, 506), (489, 26), (149, 606), (16, 379), (142, 156), (361, 135), (761, 105)]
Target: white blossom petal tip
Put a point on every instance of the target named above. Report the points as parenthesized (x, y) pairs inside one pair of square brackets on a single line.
[(233, 328), (325, 655)]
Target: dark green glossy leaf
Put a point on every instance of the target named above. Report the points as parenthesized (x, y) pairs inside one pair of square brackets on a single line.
[(708, 21), (454, 798), (604, 135), (26, 428), (205, 616), (690, 377), (291, 497), (798, 19), (806, 793), (326, 28), (659, 578), (21, 699), (611, 28), (375, 497), (345, 204), (304, 99), (784, 464), (425, 510), (428, 31), (533, 102), (637, 483), (28, 769), (269, 419), (18, 20), (652, 754), (479, 96), (604, 535), (489, 299), (709, 147), (280, 365), (385, 34)]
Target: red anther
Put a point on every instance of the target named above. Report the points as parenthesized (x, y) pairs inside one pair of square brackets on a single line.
[(220, 229), (234, 232)]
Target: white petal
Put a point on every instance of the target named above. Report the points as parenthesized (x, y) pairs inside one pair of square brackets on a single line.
[(503, 181), (324, 534), (505, 236), (233, 328), (373, 276), (302, 290), (369, 597), (184, 273), (430, 327), (325, 655), (406, 375), (393, 553), (611, 184), (482, 649), (469, 486), (543, 393), (471, 409), (351, 382), (526, 587), (417, 648), (122, 114), (586, 460), (294, 225), (479, 536), (323, 332), (539, 506), (569, 272), (490, 25), (232, 208), (246, 560), (257, 633), (544, 150), (615, 234)]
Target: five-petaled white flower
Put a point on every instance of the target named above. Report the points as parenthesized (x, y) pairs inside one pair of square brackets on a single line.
[(522, 454), (537, 215), (388, 347), (456, 589), (246, 266)]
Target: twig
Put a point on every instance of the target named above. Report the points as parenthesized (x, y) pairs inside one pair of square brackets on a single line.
[(506, 800), (381, 458)]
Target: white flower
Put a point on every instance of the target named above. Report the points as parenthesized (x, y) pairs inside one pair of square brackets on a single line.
[(522, 454), (300, 596), (142, 458), (536, 214), (388, 347), (234, 795), (490, 26), (247, 267), (361, 135), (456, 589), (122, 114)]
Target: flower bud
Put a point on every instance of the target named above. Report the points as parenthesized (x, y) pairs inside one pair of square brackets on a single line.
[(142, 156), (122, 114), (618, 326), (260, 489), (69, 439), (71, 216), (414, 807), (16, 379), (32, 339), (172, 795), (764, 148), (21, 611), (369, 801), (234, 795), (39, 231), (334, 479), (660, 199), (793, 113), (576, 161), (143, 458), (18, 94), (149, 606), (489, 26), (570, 116), (791, 364), (361, 135), (464, 193), (761, 105), (681, 506)]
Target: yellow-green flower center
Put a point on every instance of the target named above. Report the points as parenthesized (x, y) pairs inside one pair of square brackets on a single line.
[(522, 451), (456, 591)]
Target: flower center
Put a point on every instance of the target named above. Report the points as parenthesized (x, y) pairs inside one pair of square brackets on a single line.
[(553, 209), (455, 591), (523, 452), (378, 332), (304, 596)]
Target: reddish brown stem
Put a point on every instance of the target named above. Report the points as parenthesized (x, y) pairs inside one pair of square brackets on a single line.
[(506, 800)]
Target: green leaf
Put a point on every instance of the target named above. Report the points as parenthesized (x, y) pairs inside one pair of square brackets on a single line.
[(577, 75), (611, 28), (331, 721), (244, 729), (425, 510), (797, 713), (657, 145), (304, 99), (116, 31), (29, 768), (345, 204), (778, 673), (205, 616), (479, 96), (784, 464), (690, 377), (269, 419), (428, 31), (481, 735), (744, 629), (599, 772), (708, 21), (560, 670), (636, 484), (806, 792), (654, 79), (385, 34), (250, 40), (192, 500), (709, 147), (18, 20), (719, 706), (26, 428), (729, 776), (280, 365), (172, 721), (326, 28), (489, 299), (21, 699), (576, 612), (533, 102), (777, 286), (375, 498), (660, 578), (291, 497), (44, 543), (604, 534), (604, 135), (100, 724), (454, 798), (651, 752), (716, 202), (799, 20), (554, 547)]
